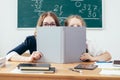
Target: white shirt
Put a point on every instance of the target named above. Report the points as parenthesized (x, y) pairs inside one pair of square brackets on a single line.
[(93, 49), (8, 56)]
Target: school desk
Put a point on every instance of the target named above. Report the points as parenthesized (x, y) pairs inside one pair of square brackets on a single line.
[(62, 73)]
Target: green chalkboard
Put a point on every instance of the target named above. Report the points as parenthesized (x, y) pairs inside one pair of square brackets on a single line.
[(30, 10)]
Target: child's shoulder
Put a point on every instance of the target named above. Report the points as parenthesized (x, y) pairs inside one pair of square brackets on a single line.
[(30, 37)]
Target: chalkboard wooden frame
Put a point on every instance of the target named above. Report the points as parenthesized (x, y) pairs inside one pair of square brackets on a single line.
[(23, 22)]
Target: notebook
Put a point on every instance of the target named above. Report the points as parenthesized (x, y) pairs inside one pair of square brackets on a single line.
[(34, 66), (86, 66), (61, 44)]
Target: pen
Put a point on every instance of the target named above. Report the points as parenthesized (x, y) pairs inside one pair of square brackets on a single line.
[(75, 70)]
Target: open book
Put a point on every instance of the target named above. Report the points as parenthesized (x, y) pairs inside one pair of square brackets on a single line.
[(63, 45)]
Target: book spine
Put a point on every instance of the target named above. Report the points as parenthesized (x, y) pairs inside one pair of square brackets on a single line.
[(62, 46)]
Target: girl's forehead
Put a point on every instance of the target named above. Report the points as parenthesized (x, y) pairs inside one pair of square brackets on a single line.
[(74, 20), (49, 19)]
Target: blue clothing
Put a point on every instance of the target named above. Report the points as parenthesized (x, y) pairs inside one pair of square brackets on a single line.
[(28, 44)]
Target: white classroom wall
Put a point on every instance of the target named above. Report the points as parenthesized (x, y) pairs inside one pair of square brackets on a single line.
[(108, 37)]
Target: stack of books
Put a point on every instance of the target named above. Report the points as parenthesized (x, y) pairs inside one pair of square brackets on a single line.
[(2, 61), (36, 68)]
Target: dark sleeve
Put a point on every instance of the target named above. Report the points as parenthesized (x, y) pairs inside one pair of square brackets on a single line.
[(28, 44)]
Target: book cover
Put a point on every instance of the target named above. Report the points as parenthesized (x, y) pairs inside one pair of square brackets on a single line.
[(34, 66), (64, 45), (86, 66)]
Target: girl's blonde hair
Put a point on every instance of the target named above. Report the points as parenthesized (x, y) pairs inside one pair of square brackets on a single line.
[(75, 16)]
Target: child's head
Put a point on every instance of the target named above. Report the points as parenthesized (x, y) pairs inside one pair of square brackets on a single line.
[(48, 19), (75, 21)]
